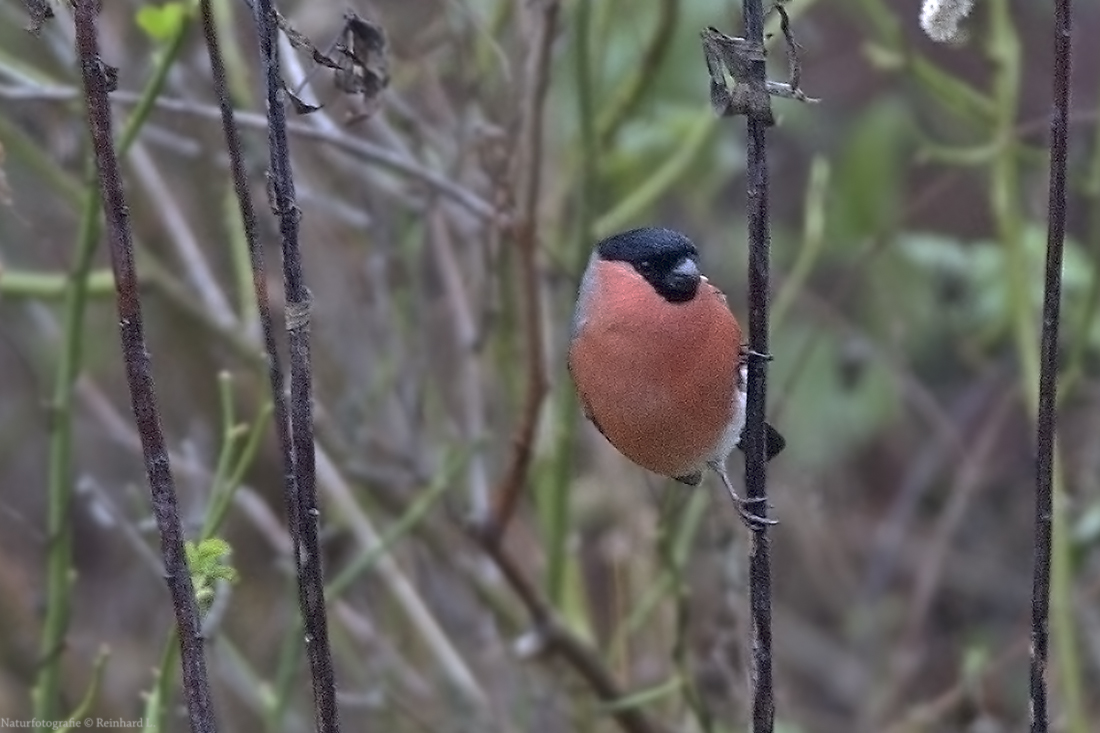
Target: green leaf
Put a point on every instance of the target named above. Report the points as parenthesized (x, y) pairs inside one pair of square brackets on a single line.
[(645, 696), (205, 563), (162, 22)]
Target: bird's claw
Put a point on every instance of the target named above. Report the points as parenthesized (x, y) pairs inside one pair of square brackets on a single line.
[(753, 353), (753, 521)]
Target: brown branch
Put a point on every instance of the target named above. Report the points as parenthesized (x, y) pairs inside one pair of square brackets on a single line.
[(99, 79), (527, 170), (554, 638), (364, 149)]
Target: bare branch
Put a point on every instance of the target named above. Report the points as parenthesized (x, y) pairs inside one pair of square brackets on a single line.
[(739, 86), (300, 489), (528, 167), (1048, 375), (550, 636), (99, 80)]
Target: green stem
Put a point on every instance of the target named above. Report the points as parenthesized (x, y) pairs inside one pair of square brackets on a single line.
[(90, 694), (47, 691), (556, 503), (242, 264), (630, 92), (153, 87), (51, 285), (663, 179), (671, 573), (813, 240), (1079, 343), (155, 714)]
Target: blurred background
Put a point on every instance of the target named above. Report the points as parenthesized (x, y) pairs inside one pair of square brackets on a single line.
[(908, 233)]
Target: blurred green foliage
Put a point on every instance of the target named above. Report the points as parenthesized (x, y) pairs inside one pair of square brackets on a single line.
[(908, 236)]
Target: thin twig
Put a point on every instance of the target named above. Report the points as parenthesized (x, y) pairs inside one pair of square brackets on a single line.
[(180, 232), (971, 477), (528, 167), (931, 715), (242, 189), (550, 636), (1048, 374), (301, 496), (363, 149), (468, 369), (754, 440), (763, 705), (337, 489), (742, 60), (98, 81)]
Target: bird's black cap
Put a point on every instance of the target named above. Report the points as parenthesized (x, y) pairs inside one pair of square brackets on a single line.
[(647, 243), (661, 256)]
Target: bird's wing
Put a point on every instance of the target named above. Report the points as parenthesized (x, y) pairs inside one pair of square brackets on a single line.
[(774, 442)]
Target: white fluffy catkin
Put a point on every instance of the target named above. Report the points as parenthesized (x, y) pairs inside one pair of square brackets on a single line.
[(940, 18)]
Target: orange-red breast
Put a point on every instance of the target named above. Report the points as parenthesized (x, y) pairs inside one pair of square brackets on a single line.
[(657, 359)]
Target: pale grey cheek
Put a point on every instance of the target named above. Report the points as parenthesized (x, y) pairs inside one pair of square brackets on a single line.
[(584, 298)]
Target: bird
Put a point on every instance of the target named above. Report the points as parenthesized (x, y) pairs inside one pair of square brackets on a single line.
[(657, 360)]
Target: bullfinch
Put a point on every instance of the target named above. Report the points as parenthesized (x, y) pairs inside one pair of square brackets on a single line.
[(657, 359)]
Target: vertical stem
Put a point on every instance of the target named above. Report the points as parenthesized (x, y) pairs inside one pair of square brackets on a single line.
[(301, 491), (559, 483), (763, 703), (527, 172), (1048, 374), (47, 692), (97, 83)]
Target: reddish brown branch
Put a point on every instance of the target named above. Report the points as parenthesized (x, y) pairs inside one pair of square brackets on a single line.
[(527, 170)]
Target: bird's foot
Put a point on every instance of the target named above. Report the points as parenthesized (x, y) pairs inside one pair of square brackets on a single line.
[(752, 520), (752, 353)]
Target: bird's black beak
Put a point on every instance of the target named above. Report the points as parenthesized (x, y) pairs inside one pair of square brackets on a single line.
[(682, 281)]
